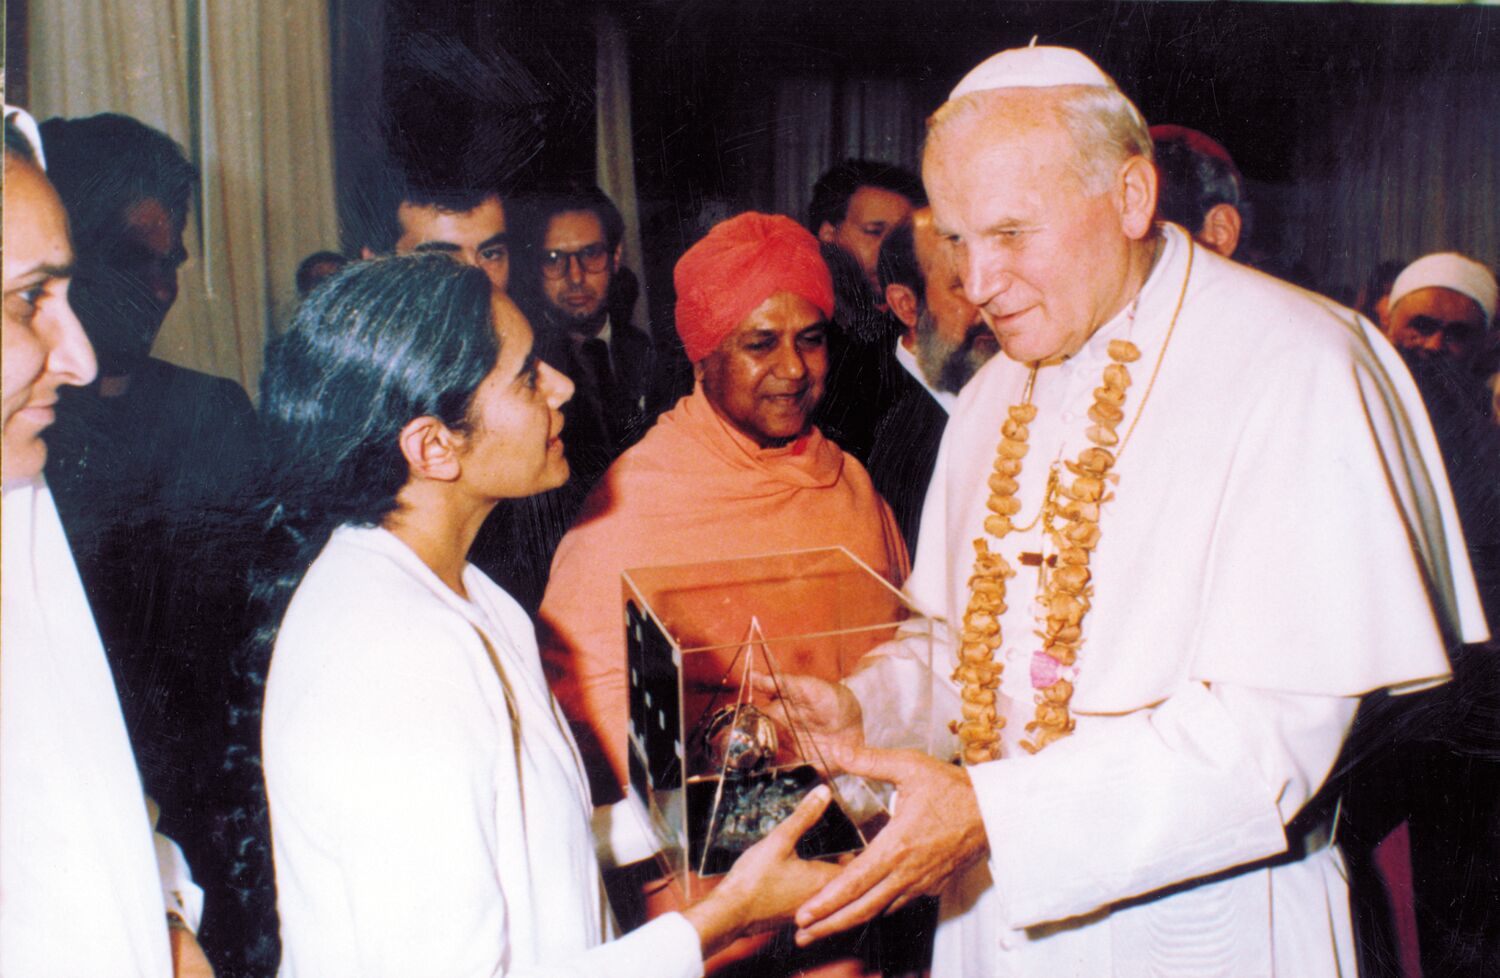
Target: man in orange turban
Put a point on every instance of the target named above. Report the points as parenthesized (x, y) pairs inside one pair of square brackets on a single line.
[(735, 469)]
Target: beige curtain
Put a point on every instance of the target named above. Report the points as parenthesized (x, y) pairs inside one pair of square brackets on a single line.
[(819, 121), (244, 88), (615, 143)]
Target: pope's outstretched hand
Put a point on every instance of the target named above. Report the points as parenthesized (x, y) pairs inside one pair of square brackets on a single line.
[(934, 832), (827, 712)]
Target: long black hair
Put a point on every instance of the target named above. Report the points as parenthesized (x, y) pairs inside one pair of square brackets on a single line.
[(374, 346), (378, 344)]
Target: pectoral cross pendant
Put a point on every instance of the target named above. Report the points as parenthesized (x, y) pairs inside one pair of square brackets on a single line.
[(1041, 564)]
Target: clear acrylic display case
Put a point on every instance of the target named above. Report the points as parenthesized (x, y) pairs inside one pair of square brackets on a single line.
[(717, 759)]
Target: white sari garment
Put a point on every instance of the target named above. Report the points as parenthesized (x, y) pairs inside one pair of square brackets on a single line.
[(80, 893), (1281, 540), (429, 812)]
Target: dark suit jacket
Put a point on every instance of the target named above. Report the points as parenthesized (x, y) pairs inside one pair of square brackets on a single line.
[(905, 449), (142, 483)]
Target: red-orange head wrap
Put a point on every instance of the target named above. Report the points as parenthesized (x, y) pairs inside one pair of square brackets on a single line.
[(738, 265)]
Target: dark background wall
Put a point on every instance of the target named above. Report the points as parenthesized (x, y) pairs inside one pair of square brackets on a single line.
[(1303, 95)]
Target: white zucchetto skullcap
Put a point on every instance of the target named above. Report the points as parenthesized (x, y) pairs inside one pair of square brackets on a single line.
[(1448, 270), (27, 125), (1032, 67)]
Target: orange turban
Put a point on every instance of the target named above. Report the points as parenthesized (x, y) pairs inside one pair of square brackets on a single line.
[(738, 265)]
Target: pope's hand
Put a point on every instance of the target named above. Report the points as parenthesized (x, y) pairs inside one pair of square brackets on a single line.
[(935, 832), (827, 711)]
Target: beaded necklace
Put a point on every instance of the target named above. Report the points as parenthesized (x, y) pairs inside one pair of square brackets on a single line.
[(1063, 595)]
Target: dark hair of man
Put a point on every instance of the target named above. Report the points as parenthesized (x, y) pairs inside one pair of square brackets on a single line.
[(1193, 183), (378, 204), (551, 201), (16, 143), (830, 197), (378, 344), (307, 280), (106, 164), (897, 264)]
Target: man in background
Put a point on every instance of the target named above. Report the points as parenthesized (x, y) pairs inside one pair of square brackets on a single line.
[(467, 223), (943, 342), (1200, 187), (855, 206), (857, 203), (139, 462), (585, 329)]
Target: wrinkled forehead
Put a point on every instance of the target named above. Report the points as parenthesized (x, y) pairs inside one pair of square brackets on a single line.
[(989, 135)]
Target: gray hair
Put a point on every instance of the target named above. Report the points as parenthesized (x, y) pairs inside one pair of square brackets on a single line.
[(1106, 128)]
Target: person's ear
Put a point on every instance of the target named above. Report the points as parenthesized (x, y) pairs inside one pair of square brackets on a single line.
[(903, 302), (614, 262), (827, 233), (431, 449), (1137, 189), (1221, 229)]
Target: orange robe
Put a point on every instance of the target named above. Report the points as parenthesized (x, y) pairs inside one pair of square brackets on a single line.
[(694, 489)]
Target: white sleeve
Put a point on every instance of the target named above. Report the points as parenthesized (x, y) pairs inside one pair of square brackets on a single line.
[(1203, 782), (905, 699), (667, 947), (622, 832), (383, 781)]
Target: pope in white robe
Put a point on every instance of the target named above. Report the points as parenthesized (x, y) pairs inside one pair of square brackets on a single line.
[(1279, 541)]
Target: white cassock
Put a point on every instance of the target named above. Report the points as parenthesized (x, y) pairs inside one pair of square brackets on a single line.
[(429, 811), (1281, 541), (80, 893)]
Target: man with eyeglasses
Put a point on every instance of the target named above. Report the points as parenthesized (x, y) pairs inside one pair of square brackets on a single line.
[(587, 299)]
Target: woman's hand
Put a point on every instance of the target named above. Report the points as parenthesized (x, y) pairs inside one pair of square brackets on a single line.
[(767, 883)]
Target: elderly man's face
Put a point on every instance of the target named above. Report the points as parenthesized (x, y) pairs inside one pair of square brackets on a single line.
[(1044, 259), (44, 345), (1436, 322), (767, 376)]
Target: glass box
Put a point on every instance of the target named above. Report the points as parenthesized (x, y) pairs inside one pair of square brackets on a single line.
[(717, 756)]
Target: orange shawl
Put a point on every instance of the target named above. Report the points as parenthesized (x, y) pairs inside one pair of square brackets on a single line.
[(694, 489)]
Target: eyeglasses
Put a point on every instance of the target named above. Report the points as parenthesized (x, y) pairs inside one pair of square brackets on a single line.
[(592, 258)]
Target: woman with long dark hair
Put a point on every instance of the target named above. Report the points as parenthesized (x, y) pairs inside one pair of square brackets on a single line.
[(429, 812)]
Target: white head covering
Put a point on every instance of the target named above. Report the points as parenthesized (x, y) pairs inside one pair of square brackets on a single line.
[(1032, 67), (1448, 270), (27, 125)]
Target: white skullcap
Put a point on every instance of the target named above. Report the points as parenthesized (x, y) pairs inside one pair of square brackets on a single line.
[(27, 125), (1448, 270), (1032, 67)]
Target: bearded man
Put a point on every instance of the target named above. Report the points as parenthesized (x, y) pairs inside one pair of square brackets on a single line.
[(1176, 532), (943, 343)]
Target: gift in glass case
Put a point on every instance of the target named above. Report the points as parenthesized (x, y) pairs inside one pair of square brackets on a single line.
[(717, 755)]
